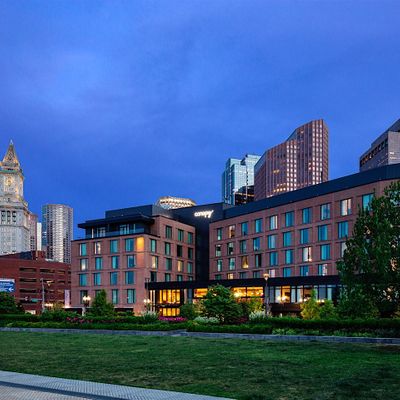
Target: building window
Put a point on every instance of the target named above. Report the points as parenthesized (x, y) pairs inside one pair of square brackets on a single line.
[(180, 235), (258, 260), (190, 253), (230, 276), (115, 296), (82, 294), (190, 267), (190, 238), (168, 264), (258, 225), (130, 261), (167, 277), (256, 274), (97, 279), (218, 277), (304, 270), (154, 262), (83, 249), (218, 252), (114, 262), (305, 236), (153, 245), (84, 264), (289, 256), (256, 244), (271, 241), (231, 263), (97, 247), (287, 239), (323, 269), (287, 272), (98, 263), (306, 254), (289, 219), (325, 251), (242, 275), (129, 245), (231, 231), (272, 273), (273, 258), (113, 278), (343, 247), (345, 207), (168, 232), (230, 248), (179, 266), (322, 233), (325, 211), (366, 201), (219, 233), (219, 265), (82, 279), (245, 262), (130, 296), (273, 222), (153, 276), (113, 246), (179, 278), (243, 246), (245, 228), (167, 249), (129, 278), (343, 229), (124, 229), (179, 250), (306, 215)]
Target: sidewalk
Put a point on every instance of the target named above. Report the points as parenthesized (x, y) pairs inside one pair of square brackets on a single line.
[(14, 385)]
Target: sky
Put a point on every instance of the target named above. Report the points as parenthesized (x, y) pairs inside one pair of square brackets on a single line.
[(112, 104)]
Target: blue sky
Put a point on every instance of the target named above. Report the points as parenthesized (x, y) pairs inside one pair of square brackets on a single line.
[(115, 103)]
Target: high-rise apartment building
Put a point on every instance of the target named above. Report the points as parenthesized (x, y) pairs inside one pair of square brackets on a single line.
[(384, 150), (57, 232), (238, 176), (14, 213), (302, 160)]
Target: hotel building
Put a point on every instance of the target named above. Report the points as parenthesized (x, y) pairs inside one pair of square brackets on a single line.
[(302, 160)]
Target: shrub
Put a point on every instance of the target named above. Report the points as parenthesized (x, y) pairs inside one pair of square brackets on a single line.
[(149, 316), (207, 320), (257, 316), (100, 305), (188, 311), (327, 310), (310, 309), (8, 304)]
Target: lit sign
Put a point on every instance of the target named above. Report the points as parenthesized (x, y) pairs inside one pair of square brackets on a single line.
[(7, 285), (205, 214)]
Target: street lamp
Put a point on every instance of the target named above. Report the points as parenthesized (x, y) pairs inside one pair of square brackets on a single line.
[(86, 301), (266, 296), (48, 282), (147, 304)]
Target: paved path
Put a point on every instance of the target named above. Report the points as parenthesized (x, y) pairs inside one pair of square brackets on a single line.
[(209, 335), (16, 386)]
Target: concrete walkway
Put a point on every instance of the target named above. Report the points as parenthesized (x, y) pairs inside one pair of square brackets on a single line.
[(16, 386), (209, 335)]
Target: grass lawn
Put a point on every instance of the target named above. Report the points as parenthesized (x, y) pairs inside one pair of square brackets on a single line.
[(239, 369)]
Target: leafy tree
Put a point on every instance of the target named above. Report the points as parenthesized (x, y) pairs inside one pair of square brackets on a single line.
[(310, 309), (370, 269), (327, 310), (100, 306), (8, 304), (188, 311), (220, 303)]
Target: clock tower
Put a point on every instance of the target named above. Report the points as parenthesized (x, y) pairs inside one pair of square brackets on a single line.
[(14, 213)]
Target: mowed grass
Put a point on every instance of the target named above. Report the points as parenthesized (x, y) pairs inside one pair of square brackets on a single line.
[(239, 369)]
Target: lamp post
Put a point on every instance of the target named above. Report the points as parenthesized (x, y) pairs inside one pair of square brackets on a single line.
[(43, 281), (266, 296), (86, 302), (147, 304)]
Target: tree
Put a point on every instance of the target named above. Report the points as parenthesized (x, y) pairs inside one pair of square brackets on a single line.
[(8, 304), (188, 311), (100, 306), (370, 269), (219, 302), (310, 309)]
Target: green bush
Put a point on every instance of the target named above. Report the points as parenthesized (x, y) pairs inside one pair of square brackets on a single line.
[(8, 304), (188, 311), (100, 306)]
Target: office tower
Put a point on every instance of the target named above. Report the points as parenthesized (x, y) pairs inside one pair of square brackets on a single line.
[(171, 203), (33, 232), (238, 177), (384, 150), (300, 161), (57, 232), (14, 220)]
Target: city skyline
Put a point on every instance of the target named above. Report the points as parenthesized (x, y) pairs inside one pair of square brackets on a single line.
[(64, 94)]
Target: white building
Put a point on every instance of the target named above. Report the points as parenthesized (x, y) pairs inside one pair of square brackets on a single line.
[(57, 232), (14, 214)]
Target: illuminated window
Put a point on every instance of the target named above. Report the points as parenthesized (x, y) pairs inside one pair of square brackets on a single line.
[(322, 269), (343, 248), (306, 254), (231, 231), (154, 262), (245, 262), (230, 276), (180, 266), (97, 247), (273, 222), (84, 264)]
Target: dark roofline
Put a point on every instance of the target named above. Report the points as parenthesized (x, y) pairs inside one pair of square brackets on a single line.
[(387, 172), (110, 220)]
